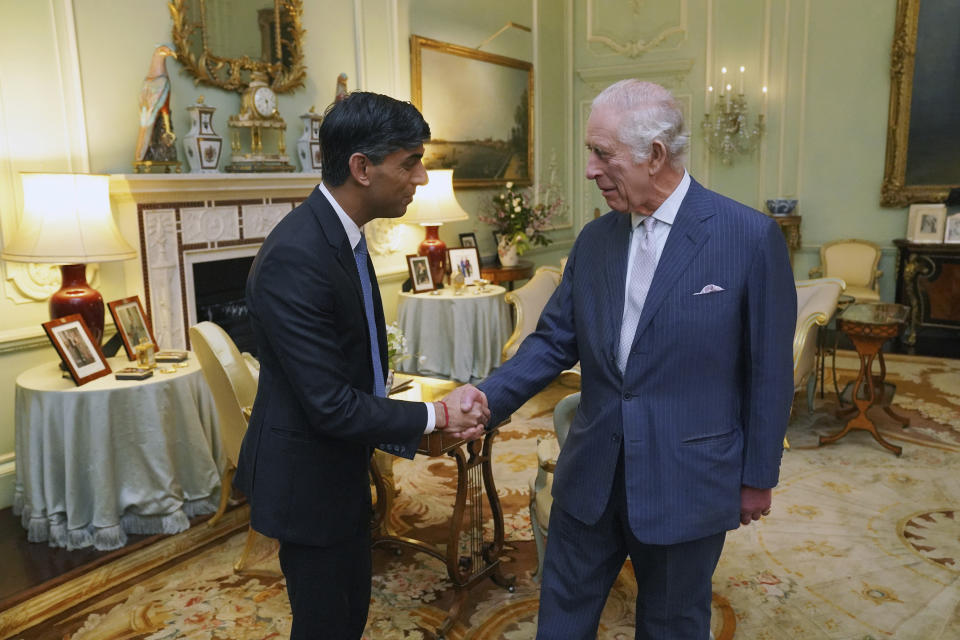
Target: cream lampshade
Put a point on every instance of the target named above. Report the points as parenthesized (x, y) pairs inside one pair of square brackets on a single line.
[(67, 221), (433, 205)]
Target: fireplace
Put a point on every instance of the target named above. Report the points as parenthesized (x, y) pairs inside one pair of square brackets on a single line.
[(216, 289)]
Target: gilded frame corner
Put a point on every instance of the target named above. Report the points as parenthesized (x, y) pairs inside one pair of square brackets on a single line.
[(895, 192)]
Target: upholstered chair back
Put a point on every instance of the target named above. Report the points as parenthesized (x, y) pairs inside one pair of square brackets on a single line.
[(529, 301), (855, 262), (230, 380)]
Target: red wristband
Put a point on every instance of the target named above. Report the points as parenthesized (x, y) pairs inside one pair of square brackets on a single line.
[(446, 414)]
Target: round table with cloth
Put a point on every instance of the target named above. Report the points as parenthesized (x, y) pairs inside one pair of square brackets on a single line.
[(454, 336), (113, 457)]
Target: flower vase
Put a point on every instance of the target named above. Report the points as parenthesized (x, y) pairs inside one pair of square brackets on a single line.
[(508, 254)]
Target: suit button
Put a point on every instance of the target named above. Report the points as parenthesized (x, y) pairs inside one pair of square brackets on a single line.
[(627, 396)]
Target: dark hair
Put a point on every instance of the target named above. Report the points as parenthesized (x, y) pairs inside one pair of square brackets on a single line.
[(369, 123)]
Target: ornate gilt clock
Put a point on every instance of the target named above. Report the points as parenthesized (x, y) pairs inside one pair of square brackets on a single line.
[(258, 116)]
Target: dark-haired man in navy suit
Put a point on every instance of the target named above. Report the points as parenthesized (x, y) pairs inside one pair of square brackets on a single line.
[(321, 406), (680, 306)]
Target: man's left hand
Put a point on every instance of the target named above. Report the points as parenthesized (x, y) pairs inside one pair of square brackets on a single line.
[(754, 503)]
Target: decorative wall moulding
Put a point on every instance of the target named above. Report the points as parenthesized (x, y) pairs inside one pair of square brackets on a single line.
[(37, 282), (607, 30), (669, 73)]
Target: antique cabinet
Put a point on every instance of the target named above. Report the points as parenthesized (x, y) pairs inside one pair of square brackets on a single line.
[(928, 280)]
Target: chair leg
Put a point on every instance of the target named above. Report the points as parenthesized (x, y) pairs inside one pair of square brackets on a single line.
[(537, 538), (226, 482), (247, 548), (811, 390)]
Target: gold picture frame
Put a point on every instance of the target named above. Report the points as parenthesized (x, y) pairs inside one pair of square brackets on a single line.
[(907, 158), (486, 139)]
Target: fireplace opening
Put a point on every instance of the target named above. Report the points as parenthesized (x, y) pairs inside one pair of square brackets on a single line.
[(219, 294)]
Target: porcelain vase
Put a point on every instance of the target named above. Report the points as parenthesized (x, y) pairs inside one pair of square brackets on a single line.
[(508, 254)]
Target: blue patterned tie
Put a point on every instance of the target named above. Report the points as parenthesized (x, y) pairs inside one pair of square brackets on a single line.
[(360, 255), (644, 264)]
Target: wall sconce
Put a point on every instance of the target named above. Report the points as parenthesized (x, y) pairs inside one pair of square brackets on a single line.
[(725, 126)]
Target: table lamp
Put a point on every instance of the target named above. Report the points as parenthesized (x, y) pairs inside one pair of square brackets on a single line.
[(67, 221), (433, 205)]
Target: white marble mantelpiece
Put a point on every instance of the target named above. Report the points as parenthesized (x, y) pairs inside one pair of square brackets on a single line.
[(175, 220)]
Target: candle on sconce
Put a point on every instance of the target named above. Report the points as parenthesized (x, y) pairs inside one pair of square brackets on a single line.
[(708, 99), (763, 105), (742, 69), (723, 80), (727, 104)]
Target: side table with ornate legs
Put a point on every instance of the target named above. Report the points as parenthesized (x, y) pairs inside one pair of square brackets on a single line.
[(869, 326), (468, 557)]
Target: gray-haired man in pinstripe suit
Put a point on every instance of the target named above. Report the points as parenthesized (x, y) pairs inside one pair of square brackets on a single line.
[(680, 306)]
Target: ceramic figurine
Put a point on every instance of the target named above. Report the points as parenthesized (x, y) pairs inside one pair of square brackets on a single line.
[(155, 141)]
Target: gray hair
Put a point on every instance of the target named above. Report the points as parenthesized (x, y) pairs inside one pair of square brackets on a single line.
[(648, 113)]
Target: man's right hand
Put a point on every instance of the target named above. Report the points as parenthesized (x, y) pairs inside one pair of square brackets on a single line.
[(465, 413)]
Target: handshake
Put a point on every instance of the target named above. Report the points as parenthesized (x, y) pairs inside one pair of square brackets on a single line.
[(462, 413)]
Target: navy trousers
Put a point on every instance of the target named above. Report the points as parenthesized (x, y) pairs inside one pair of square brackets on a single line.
[(328, 587), (582, 561)]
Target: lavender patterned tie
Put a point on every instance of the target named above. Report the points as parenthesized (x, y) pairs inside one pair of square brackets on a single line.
[(644, 260)]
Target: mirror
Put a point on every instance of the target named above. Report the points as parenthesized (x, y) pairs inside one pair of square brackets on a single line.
[(221, 42)]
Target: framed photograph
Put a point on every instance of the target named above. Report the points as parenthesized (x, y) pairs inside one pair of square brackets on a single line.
[(420, 277), (480, 109), (74, 343), (496, 238), (952, 229), (132, 323), (468, 240), (465, 260), (925, 223)]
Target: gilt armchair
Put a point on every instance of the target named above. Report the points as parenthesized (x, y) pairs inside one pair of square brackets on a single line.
[(232, 378), (528, 302), (855, 262), (541, 485)]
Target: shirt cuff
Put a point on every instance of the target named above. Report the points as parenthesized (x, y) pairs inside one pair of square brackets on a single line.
[(431, 418)]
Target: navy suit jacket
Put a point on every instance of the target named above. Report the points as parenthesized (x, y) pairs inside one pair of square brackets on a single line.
[(305, 456), (703, 404)]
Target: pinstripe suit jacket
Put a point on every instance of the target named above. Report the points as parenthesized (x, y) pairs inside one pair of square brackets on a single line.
[(703, 404)]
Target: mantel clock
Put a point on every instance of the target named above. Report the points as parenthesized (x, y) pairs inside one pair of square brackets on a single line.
[(258, 115)]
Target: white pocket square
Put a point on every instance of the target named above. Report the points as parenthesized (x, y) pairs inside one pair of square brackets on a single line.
[(710, 288)]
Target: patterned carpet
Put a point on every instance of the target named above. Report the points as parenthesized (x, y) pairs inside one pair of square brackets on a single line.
[(860, 545)]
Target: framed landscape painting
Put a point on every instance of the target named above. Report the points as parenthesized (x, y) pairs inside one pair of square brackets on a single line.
[(480, 110)]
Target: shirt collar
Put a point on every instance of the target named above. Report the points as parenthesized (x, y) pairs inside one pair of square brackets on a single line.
[(667, 211), (353, 231)]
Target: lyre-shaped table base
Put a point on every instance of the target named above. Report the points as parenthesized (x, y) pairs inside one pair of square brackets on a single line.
[(868, 339), (467, 564)]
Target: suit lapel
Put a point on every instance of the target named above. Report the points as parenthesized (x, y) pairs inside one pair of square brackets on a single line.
[(684, 242), (616, 278)]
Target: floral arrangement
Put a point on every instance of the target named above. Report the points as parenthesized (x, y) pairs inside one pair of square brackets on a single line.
[(518, 221), (396, 345)]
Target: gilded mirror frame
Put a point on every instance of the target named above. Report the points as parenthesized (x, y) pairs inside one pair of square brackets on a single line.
[(895, 192), (228, 73)]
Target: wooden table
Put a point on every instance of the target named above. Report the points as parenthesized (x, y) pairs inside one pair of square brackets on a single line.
[(498, 274), (869, 325), (467, 564)]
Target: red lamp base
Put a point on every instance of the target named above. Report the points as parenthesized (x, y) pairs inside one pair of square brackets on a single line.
[(436, 251), (76, 296)]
